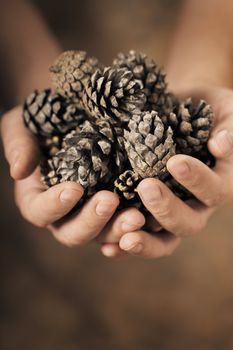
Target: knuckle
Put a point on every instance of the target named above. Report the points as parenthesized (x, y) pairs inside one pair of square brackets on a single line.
[(90, 225), (169, 251), (195, 181), (164, 211), (68, 239), (216, 200)]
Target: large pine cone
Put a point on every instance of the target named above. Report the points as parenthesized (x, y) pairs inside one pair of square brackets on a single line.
[(150, 78), (149, 145), (46, 113), (191, 125), (92, 157), (70, 71), (113, 95)]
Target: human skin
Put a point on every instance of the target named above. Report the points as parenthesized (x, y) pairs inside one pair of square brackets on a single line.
[(30, 48), (123, 234), (200, 66)]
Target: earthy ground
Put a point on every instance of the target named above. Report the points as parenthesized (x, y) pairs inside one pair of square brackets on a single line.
[(56, 298)]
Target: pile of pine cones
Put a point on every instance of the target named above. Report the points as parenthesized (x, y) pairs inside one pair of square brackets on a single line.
[(110, 127)]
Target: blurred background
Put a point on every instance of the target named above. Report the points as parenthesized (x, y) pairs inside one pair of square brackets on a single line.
[(53, 297)]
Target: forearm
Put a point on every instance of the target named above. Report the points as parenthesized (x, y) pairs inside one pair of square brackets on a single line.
[(201, 52), (28, 47)]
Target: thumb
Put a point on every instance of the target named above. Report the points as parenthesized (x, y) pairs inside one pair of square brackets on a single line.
[(220, 143), (20, 146)]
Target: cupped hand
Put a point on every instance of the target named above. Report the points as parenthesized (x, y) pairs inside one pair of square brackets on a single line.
[(47, 208), (171, 219)]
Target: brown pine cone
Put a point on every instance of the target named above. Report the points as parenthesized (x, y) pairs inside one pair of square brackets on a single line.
[(149, 145), (150, 77), (48, 169), (113, 95), (191, 125), (92, 156), (70, 71), (125, 185), (46, 113)]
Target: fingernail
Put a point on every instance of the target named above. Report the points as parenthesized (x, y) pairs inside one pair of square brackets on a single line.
[(180, 168), (14, 163), (69, 195), (108, 251), (104, 209), (150, 193), (14, 167), (224, 141), (133, 248)]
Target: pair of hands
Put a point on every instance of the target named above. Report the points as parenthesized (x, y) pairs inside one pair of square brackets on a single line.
[(124, 233)]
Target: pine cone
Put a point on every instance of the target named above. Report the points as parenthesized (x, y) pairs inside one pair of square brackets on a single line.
[(126, 184), (91, 157), (149, 145), (150, 78), (113, 95), (48, 169), (191, 125), (46, 114), (70, 72)]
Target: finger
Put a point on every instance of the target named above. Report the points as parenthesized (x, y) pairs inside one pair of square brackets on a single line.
[(112, 250), (146, 245), (42, 207), (220, 143), (172, 213), (20, 147), (89, 221), (198, 178), (126, 221)]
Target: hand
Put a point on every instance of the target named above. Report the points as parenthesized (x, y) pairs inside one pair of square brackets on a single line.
[(172, 219), (46, 208)]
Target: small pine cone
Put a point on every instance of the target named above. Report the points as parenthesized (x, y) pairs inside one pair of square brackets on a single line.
[(46, 113), (48, 169), (150, 78), (125, 185), (113, 95), (91, 156), (191, 125), (149, 145), (70, 72)]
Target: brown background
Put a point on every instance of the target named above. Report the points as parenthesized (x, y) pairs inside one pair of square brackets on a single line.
[(53, 297)]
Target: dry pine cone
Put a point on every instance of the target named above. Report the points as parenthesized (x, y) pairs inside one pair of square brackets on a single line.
[(46, 113), (150, 78), (91, 157), (191, 125), (113, 95), (149, 145), (70, 72)]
